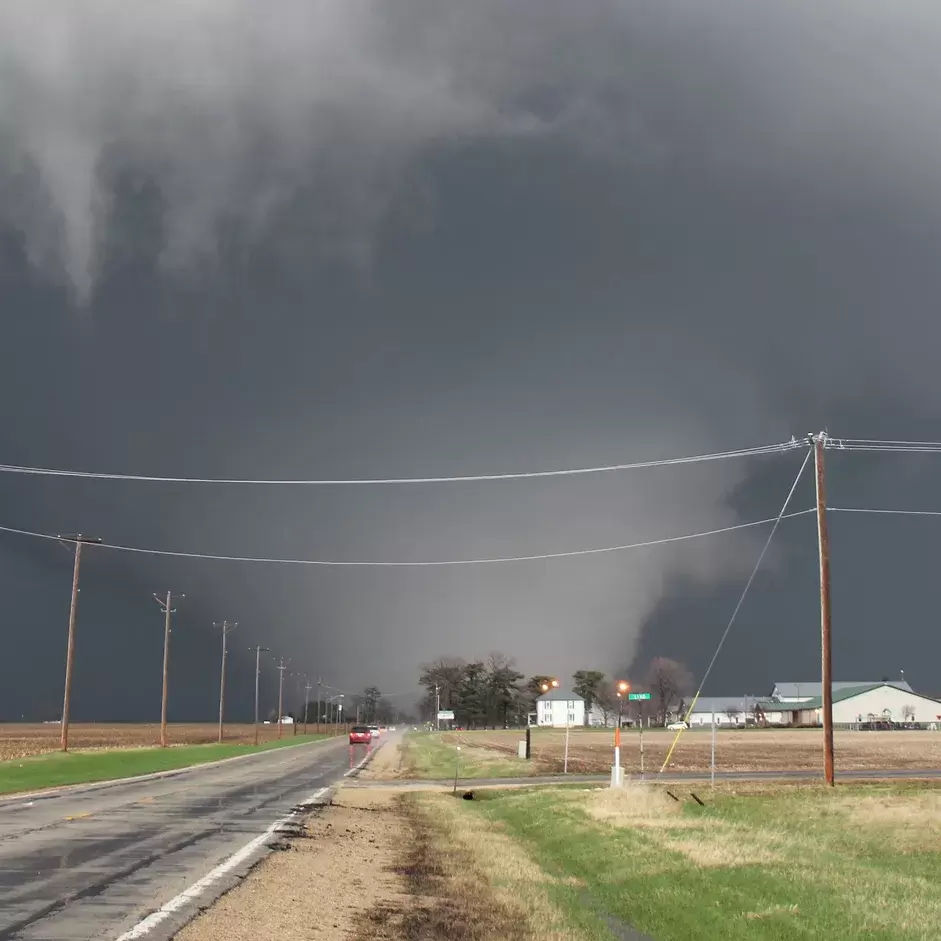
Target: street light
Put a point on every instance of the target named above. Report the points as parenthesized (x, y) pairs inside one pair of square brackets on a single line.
[(623, 687)]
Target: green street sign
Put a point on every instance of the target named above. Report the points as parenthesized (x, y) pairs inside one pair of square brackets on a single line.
[(638, 695)]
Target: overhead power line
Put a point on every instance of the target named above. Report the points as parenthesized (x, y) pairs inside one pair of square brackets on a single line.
[(467, 478), (882, 446), (850, 509), (783, 514), (420, 563)]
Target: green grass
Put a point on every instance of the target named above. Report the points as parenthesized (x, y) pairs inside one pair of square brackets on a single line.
[(426, 756), (83, 767), (796, 862)]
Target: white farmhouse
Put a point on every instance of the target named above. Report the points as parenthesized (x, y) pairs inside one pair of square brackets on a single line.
[(559, 708)]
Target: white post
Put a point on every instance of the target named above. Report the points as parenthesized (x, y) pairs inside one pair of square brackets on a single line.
[(713, 765)]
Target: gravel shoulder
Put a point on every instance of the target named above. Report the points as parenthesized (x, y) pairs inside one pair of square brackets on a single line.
[(324, 882)]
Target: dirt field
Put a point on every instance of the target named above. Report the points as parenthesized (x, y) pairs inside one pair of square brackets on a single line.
[(751, 750), (17, 740)]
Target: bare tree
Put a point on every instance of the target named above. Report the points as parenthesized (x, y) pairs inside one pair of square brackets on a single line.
[(732, 713), (908, 713), (667, 680), (606, 701)]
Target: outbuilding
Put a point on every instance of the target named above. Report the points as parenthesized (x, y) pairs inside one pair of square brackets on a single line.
[(728, 710), (877, 701), (559, 708)]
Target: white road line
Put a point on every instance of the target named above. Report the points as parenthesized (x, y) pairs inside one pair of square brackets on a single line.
[(360, 764), (143, 928)]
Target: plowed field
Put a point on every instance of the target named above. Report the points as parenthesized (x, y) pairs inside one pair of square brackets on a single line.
[(18, 740)]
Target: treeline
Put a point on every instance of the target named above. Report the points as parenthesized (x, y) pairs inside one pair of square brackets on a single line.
[(493, 693)]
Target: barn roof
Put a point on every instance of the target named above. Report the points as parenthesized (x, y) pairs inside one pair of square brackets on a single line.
[(809, 690)]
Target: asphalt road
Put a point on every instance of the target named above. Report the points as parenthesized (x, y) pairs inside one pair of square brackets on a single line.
[(90, 863)]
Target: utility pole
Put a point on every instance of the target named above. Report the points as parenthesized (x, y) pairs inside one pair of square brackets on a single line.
[(281, 668), (168, 609), (319, 681), (79, 541), (307, 689), (823, 540), (258, 650), (437, 708), (226, 627)]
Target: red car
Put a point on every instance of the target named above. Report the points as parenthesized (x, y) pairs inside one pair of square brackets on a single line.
[(360, 735)]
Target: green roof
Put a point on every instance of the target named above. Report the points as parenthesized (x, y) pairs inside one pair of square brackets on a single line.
[(815, 702)]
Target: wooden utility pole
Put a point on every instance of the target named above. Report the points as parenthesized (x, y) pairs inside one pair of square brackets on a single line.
[(226, 627), (281, 669), (258, 650), (307, 688), (823, 540), (79, 541), (166, 607)]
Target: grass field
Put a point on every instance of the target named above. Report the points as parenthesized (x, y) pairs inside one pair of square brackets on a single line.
[(493, 753), (81, 767), (757, 862), (22, 739)]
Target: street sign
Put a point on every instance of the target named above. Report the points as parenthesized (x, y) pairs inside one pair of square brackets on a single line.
[(446, 715), (638, 695)]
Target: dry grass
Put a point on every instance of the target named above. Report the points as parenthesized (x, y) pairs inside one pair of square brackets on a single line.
[(736, 750), (19, 740), (484, 885), (706, 843)]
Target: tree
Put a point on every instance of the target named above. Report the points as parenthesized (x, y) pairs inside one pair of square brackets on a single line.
[(370, 698), (732, 713), (667, 680), (587, 684), (502, 681), (908, 713), (471, 698), (607, 702), (448, 674)]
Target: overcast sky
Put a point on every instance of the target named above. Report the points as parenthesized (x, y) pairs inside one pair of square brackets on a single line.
[(434, 238)]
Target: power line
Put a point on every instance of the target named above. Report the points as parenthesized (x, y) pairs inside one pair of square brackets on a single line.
[(420, 563), (142, 478), (850, 509), (741, 600), (873, 445)]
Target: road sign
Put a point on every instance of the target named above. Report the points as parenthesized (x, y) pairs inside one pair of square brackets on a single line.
[(446, 715), (638, 695)]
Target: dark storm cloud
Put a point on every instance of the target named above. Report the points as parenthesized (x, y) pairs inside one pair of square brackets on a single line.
[(371, 238)]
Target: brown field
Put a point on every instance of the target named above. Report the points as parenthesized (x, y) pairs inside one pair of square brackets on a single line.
[(20, 739), (736, 750)]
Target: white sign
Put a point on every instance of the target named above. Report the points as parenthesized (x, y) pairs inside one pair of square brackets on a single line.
[(446, 714)]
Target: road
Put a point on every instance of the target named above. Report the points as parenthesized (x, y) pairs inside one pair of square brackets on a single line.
[(90, 863)]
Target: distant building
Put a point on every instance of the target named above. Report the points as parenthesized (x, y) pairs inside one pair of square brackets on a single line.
[(852, 705), (800, 704), (560, 707), (796, 692), (728, 710)]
